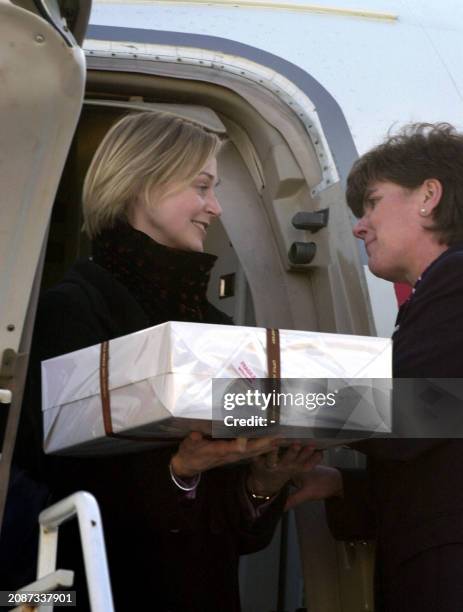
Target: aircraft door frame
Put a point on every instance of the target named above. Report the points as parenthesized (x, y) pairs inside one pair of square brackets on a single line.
[(43, 82)]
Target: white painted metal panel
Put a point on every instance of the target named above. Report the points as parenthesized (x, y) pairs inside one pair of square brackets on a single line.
[(381, 72), (42, 88)]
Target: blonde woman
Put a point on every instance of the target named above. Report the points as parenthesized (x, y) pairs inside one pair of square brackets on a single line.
[(174, 525)]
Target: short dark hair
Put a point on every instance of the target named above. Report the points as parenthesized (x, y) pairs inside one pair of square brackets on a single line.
[(420, 151)]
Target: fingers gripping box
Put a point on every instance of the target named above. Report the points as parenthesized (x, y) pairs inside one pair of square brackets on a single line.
[(156, 384)]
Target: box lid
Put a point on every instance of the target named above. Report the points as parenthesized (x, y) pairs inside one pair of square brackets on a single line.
[(215, 351)]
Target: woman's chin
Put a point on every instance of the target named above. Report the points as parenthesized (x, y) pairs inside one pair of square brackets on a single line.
[(196, 247), (385, 273), (378, 270)]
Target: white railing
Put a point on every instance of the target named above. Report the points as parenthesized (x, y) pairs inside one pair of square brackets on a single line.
[(49, 579)]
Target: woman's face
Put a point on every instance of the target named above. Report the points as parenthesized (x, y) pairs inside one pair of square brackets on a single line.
[(180, 220), (393, 229)]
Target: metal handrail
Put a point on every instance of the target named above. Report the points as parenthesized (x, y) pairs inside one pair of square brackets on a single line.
[(85, 506)]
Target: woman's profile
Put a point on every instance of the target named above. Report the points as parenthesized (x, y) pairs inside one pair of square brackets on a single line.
[(408, 194)]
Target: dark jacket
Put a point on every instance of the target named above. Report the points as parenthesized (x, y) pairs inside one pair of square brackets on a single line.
[(411, 496), (166, 552)]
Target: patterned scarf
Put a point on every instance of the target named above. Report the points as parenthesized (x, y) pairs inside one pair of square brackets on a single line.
[(169, 284)]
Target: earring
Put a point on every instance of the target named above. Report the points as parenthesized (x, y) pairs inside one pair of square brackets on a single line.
[(423, 212)]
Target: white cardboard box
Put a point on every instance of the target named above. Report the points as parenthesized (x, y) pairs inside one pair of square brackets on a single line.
[(160, 381)]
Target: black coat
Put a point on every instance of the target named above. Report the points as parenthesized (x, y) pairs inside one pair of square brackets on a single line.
[(411, 496), (166, 552)]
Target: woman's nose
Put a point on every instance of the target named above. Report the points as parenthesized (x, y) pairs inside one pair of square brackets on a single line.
[(213, 206), (359, 229)]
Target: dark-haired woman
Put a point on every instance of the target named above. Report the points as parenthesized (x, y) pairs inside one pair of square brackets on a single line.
[(408, 193)]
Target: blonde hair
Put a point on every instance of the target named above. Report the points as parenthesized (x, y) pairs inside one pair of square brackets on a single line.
[(139, 152)]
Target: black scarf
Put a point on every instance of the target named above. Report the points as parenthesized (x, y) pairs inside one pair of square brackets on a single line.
[(169, 284)]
